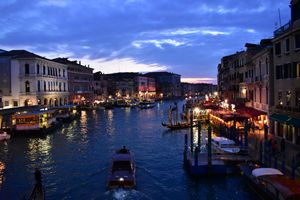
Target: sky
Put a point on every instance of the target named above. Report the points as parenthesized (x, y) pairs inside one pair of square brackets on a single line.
[(187, 37)]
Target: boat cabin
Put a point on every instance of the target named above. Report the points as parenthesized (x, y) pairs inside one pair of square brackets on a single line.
[(34, 120)]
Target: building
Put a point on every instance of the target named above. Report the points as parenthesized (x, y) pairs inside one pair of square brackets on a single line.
[(197, 89), (100, 86), (28, 79), (285, 114), (80, 81), (168, 84), (121, 84), (145, 87)]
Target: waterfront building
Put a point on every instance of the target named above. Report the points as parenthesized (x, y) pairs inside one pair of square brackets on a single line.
[(285, 114), (121, 84), (27, 79), (145, 87), (100, 86), (197, 89), (168, 84), (80, 81)]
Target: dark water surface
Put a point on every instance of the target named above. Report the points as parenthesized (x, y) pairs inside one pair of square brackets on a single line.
[(74, 160)]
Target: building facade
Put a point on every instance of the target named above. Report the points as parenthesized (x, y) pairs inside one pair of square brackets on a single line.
[(285, 114), (100, 86), (80, 81), (28, 79), (168, 85), (145, 87)]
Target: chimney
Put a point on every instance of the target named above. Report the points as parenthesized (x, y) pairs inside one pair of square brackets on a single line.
[(79, 62)]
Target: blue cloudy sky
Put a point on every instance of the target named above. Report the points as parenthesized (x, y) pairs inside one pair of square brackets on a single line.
[(187, 37)]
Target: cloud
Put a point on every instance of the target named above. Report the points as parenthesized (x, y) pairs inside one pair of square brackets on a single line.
[(199, 80), (56, 3), (158, 43), (121, 65)]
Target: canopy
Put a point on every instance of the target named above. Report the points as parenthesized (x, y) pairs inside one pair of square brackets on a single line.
[(279, 117), (251, 112), (266, 171)]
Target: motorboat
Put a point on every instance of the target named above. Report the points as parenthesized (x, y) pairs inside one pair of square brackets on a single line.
[(270, 183), (122, 170), (225, 145), (4, 136), (146, 104)]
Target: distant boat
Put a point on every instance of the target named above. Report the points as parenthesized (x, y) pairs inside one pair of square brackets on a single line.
[(225, 145), (146, 104), (122, 170), (270, 183), (179, 125), (4, 136), (121, 103)]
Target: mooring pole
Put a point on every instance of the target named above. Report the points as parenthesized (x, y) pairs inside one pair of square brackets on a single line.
[(196, 156), (192, 135), (246, 134), (185, 148), (199, 135), (266, 129), (209, 155)]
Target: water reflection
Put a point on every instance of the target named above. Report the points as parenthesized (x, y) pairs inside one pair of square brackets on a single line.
[(2, 168), (110, 128)]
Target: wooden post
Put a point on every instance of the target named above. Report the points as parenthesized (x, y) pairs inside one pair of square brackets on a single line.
[(294, 168), (266, 128), (209, 155), (185, 148), (260, 152), (192, 135), (199, 135), (235, 134), (275, 162), (246, 134), (196, 156), (283, 165)]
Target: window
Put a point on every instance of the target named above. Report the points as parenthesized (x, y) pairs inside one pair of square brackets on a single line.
[(44, 70), (48, 70), (59, 86), (27, 86), (26, 68), (279, 72), (37, 69), (278, 48), (59, 72), (45, 88), (48, 86), (6, 103), (288, 98), (64, 73), (64, 86), (287, 45), (296, 70), (297, 99), (15, 103), (297, 41), (39, 85)]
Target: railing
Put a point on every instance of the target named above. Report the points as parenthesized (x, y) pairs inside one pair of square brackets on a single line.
[(282, 29)]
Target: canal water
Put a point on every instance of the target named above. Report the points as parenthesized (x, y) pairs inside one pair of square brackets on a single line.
[(74, 160)]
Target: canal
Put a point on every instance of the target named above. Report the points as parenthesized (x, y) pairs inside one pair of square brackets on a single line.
[(74, 160)]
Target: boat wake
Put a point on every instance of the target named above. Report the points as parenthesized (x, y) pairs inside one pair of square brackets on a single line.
[(121, 194)]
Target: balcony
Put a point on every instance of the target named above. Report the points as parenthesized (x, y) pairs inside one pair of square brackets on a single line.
[(282, 29)]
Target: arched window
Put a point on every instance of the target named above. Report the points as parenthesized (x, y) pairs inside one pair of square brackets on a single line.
[(45, 87), (27, 86), (39, 85), (44, 70), (26, 68), (37, 69)]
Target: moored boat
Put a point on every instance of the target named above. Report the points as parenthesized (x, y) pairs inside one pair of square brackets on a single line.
[(146, 104), (122, 170), (66, 113), (4, 135), (224, 145), (179, 125), (270, 183), (35, 122)]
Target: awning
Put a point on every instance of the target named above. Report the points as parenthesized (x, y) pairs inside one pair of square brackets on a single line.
[(279, 117), (294, 122), (251, 112)]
